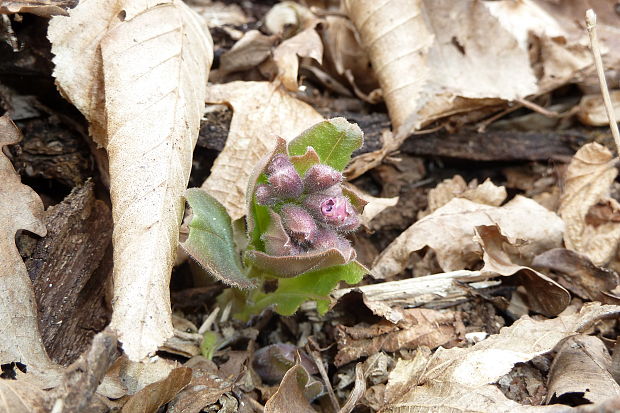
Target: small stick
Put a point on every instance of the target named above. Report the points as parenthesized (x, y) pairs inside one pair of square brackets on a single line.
[(598, 61)]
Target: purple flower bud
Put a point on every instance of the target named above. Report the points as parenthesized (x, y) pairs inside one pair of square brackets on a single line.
[(264, 195), (283, 177), (335, 211), (320, 177), (299, 224)]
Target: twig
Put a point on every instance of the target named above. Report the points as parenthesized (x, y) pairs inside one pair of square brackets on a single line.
[(598, 62), (314, 350), (537, 108)]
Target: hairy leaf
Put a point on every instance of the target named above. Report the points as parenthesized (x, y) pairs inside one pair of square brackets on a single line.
[(334, 140), (312, 286), (211, 241)]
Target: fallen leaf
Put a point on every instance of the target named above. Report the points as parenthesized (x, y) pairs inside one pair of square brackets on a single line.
[(287, 54), (155, 395), (592, 110), (486, 193), (43, 8), (456, 67), (20, 397), (359, 388), (250, 51), (262, 111), (204, 389), (420, 327), (20, 209), (460, 379), (587, 181), (138, 73), (218, 13), (292, 394), (579, 275), (449, 232), (580, 370), (545, 296)]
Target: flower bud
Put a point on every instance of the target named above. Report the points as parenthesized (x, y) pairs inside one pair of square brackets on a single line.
[(264, 195), (299, 224), (284, 179), (320, 177), (336, 211)]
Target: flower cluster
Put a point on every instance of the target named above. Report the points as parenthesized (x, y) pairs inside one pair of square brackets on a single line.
[(309, 214)]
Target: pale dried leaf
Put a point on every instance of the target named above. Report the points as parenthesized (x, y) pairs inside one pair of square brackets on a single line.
[(155, 395), (287, 54), (456, 66), (22, 397), (420, 327), (459, 379), (144, 64), (20, 209), (587, 181), (582, 367), (262, 111), (486, 193), (592, 110), (288, 16), (43, 8), (218, 13), (544, 294), (251, 50), (449, 232), (578, 274), (290, 396)]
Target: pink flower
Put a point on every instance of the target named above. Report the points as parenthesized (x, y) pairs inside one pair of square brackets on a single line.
[(284, 179), (320, 177), (299, 224)]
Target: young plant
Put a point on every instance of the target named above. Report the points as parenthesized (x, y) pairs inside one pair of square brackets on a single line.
[(298, 214)]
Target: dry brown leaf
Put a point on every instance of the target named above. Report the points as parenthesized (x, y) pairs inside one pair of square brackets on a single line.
[(291, 396), (420, 327), (218, 13), (22, 397), (579, 275), (592, 110), (20, 209), (250, 51), (449, 232), (486, 193), (262, 111), (544, 296), (43, 8), (205, 388), (287, 54), (146, 69), (456, 66), (464, 380), (581, 369), (155, 395), (587, 181)]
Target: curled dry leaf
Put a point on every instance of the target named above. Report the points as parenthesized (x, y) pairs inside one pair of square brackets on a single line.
[(581, 369), (20, 209), (287, 54), (456, 65), (587, 182), (22, 397), (138, 73), (579, 275), (295, 389), (252, 135), (592, 110), (420, 327), (43, 8), (155, 395), (250, 51), (486, 193), (544, 294), (459, 379), (449, 232)]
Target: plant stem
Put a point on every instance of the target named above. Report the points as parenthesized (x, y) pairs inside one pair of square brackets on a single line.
[(598, 62)]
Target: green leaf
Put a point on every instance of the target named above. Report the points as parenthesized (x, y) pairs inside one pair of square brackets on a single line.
[(211, 241), (208, 344), (334, 140), (312, 286)]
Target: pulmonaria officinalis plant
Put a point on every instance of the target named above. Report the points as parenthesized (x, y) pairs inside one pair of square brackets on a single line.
[(298, 215)]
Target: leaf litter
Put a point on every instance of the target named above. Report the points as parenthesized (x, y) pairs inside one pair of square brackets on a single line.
[(494, 289)]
